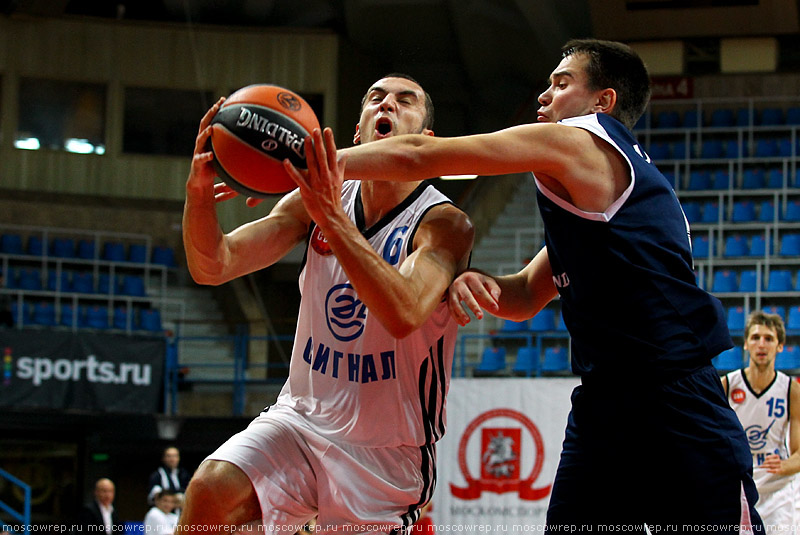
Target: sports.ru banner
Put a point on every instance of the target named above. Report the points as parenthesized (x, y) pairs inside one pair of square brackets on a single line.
[(499, 456), (87, 371)]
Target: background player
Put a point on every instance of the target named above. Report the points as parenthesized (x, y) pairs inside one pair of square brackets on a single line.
[(352, 435), (767, 403), (650, 438)]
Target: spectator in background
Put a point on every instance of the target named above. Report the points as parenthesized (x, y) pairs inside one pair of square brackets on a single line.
[(162, 518), (169, 476), (99, 515)]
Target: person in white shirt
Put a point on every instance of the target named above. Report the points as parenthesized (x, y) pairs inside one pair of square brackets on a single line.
[(162, 518), (99, 516)]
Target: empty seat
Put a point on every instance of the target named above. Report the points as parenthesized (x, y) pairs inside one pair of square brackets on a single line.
[(780, 280), (748, 281), (105, 285), (527, 361), (792, 212), (35, 246), (11, 244), (692, 119), (150, 320), (736, 245), (766, 212), (724, 281), (793, 116), (743, 212), (114, 251), (29, 279), (766, 148), (699, 180), (775, 178), (511, 326), (63, 248), (735, 149), (83, 282), (788, 359), (67, 316), (86, 249), (163, 255), (793, 318), (771, 117), (668, 119), (700, 246), (712, 148), (785, 147), (20, 313), (681, 150), (556, 360), (753, 179), (693, 211), (720, 179), (545, 320), (97, 317), (758, 246), (133, 285), (722, 118), (728, 360), (493, 359), (745, 117), (736, 319), (59, 282), (137, 252), (121, 318), (790, 245), (44, 313)]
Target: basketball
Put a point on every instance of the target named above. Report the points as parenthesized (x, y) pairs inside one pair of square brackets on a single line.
[(256, 128)]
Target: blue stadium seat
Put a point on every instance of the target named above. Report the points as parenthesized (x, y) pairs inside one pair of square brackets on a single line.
[(545, 320), (785, 147), (105, 285), (736, 319), (724, 281), (163, 255), (82, 282), (711, 212), (527, 361), (133, 285), (44, 313), (692, 118), (510, 326), (793, 116), (779, 310), (743, 211), (766, 212), (736, 245), (788, 359), (720, 179), (120, 317), (67, 315), (97, 317), (20, 313), (775, 178), (59, 283), (735, 149), (680, 151), (63, 247), (753, 179), (137, 252), (150, 320), (748, 281), (560, 325), (758, 245), (745, 117), (556, 360), (792, 212), (700, 246), (766, 148), (493, 359), (11, 244), (114, 251), (29, 279), (668, 119), (699, 180), (793, 318), (780, 280), (712, 148), (35, 246), (771, 117), (728, 360), (86, 249), (693, 211), (790, 245), (722, 118)]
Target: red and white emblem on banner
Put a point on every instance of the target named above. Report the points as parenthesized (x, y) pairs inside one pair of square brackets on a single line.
[(501, 458)]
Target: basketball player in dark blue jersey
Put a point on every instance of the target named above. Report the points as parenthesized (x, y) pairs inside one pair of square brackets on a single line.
[(651, 444)]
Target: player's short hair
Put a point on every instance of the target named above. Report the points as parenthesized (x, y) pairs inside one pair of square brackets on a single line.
[(770, 321), (428, 122), (618, 66)]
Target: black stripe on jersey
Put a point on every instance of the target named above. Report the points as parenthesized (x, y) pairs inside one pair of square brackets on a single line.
[(311, 228), (358, 211), (410, 244), (442, 388)]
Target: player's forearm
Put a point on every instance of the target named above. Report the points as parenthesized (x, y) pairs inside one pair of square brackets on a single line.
[(202, 237), (397, 159)]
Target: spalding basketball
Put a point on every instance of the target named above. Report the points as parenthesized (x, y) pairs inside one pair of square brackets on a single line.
[(256, 128)]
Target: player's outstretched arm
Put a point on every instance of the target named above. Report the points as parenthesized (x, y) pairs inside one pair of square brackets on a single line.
[(214, 257), (516, 297), (402, 299)]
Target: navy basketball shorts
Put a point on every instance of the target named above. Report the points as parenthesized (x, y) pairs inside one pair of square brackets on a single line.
[(670, 456)]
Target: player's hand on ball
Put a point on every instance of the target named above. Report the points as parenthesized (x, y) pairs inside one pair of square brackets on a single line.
[(474, 291), (202, 174)]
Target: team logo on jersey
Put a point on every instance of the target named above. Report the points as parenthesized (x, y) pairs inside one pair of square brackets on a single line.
[(319, 243), (345, 312), (738, 395), (502, 457), (757, 436)]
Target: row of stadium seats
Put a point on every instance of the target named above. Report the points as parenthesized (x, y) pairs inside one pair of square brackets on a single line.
[(721, 118), (735, 358), (112, 251), (730, 281), (75, 281), (737, 317), (527, 362), (546, 320), (740, 245), (718, 149), (719, 179), (44, 313), (744, 211)]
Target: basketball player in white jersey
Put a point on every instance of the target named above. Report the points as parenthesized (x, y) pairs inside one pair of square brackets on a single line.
[(351, 438), (767, 403)]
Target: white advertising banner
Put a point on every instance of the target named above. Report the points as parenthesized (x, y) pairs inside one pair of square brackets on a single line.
[(498, 459)]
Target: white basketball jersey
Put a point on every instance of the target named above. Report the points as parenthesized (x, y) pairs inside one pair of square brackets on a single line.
[(765, 418), (349, 377)]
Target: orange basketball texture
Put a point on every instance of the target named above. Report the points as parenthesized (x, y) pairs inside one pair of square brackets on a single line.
[(256, 128)]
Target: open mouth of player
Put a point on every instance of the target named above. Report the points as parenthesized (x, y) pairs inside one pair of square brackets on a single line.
[(383, 127)]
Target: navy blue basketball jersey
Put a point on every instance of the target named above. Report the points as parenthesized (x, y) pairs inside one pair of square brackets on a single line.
[(625, 276)]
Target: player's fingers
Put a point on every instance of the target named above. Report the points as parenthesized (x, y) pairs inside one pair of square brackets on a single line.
[(330, 148), (201, 142), (456, 310), (212, 111), (296, 175), (252, 202)]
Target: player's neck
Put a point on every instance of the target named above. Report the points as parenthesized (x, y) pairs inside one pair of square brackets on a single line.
[(380, 197), (760, 377)]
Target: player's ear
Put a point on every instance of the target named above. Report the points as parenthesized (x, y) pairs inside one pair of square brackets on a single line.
[(606, 101), (357, 135)]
